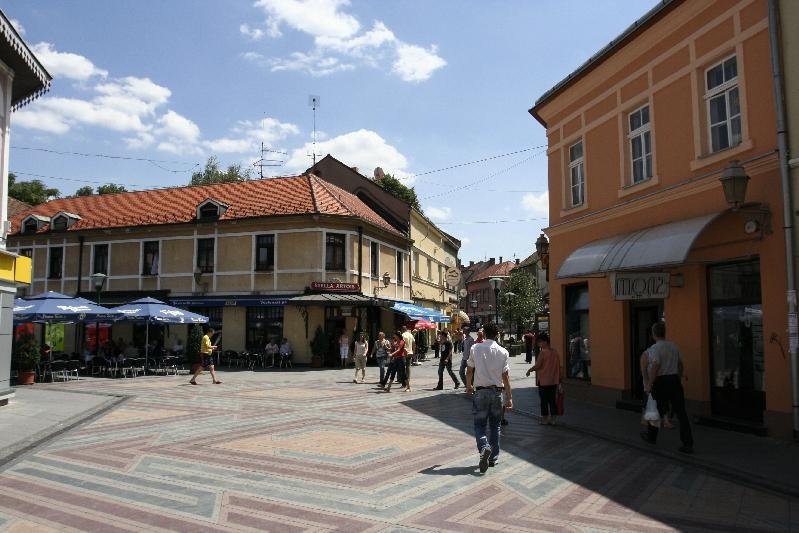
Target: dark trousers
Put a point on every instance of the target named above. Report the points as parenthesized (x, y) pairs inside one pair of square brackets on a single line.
[(528, 353), (448, 365), (396, 368), (667, 391), (547, 394)]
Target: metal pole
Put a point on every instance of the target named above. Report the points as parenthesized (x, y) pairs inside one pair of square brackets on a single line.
[(787, 208), (496, 307)]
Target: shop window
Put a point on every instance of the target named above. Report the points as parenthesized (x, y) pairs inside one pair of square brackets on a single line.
[(723, 105), (263, 324), (26, 252), (205, 255), (375, 260), (150, 258), (214, 315), (100, 264), (576, 174), (578, 333), (640, 138), (400, 268), (265, 253), (55, 262), (334, 251)]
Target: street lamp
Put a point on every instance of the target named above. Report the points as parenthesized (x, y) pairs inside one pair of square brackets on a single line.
[(542, 249), (733, 181), (510, 295), (98, 281), (496, 284), (386, 281), (474, 311)]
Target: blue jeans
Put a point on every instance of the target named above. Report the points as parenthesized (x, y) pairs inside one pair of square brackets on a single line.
[(487, 409), (462, 371), (382, 362)]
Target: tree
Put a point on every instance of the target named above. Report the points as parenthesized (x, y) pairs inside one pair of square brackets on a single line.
[(213, 173), (111, 188), (523, 307), (397, 189), (86, 190), (32, 192), (194, 343)]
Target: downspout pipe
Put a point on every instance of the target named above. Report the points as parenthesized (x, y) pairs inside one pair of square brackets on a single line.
[(79, 328), (787, 207), (360, 269)]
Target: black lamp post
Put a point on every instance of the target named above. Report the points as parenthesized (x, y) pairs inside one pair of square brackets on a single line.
[(510, 295), (496, 284), (98, 281)]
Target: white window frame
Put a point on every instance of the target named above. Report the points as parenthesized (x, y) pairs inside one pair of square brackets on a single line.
[(724, 89), (578, 164), (640, 133)]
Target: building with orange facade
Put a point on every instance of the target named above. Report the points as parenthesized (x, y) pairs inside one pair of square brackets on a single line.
[(640, 227)]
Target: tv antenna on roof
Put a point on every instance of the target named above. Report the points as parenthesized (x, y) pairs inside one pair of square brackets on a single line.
[(313, 101)]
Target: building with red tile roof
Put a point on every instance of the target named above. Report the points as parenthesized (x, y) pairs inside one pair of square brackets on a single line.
[(480, 290)]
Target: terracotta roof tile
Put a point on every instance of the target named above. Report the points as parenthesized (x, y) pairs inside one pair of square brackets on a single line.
[(295, 195), (502, 269), (15, 207)]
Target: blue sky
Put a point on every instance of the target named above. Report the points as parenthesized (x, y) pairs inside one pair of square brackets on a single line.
[(412, 86)]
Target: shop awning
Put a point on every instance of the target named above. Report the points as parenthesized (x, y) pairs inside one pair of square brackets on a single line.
[(335, 299), (415, 312), (658, 246)]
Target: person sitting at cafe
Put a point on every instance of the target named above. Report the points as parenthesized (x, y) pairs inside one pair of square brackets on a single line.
[(177, 347)]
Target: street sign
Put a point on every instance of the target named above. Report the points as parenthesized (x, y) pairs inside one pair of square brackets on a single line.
[(453, 276), (463, 293), (639, 285)]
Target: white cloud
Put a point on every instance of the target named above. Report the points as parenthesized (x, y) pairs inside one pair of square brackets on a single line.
[(253, 33), (338, 45), (249, 135), (314, 17), (66, 64), (415, 63), (177, 127), (18, 26), (364, 149), (536, 204), (438, 213), (465, 241)]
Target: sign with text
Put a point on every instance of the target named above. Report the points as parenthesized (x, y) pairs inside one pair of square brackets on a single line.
[(329, 286), (453, 276), (639, 285)]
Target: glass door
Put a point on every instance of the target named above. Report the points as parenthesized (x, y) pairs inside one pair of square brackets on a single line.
[(737, 379), (642, 316)]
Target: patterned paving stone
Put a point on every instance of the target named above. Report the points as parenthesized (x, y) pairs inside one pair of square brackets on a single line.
[(308, 451)]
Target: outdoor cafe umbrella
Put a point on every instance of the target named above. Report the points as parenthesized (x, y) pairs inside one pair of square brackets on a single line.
[(156, 312), (55, 308), (424, 324)]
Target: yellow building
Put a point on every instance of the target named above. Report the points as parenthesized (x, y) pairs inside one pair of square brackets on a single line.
[(22, 79), (236, 252)]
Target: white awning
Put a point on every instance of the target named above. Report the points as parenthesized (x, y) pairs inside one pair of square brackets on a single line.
[(664, 245)]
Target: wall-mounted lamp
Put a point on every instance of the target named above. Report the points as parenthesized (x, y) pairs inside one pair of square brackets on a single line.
[(386, 279), (542, 249), (734, 181)]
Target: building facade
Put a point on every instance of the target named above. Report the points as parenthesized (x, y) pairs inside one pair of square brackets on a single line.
[(22, 79), (481, 293), (236, 252), (640, 228)]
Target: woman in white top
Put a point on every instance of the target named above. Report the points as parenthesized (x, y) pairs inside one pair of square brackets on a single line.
[(361, 347), (344, 348)]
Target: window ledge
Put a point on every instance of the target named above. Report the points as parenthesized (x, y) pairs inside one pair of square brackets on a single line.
[(567, 211), (722, 155), (633, 188), (264, 270)]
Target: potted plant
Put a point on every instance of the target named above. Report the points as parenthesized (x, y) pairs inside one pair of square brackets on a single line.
[(193, 344), (24, 358), (319, 346)]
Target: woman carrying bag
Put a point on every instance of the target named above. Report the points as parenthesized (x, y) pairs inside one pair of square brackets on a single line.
[(547, 378)]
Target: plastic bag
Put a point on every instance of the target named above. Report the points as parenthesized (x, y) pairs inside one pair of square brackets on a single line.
[(651, 413)]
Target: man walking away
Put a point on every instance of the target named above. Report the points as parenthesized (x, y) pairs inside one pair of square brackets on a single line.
[(665, 382), (487, 378), (529, 339), (467, 344), (410, 346), (446, 361)]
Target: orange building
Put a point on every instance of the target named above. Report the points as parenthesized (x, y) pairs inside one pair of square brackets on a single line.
[(639, 137)]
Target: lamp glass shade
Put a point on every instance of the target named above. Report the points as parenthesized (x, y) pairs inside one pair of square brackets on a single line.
[(542, 245), (734, 181), (496, 283), (386, 279), (98, 280)]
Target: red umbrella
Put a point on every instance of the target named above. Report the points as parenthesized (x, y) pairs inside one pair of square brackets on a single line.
[(424, 324)]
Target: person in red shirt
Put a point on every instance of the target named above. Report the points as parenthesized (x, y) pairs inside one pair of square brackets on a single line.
[(547, 378), (397, 366)]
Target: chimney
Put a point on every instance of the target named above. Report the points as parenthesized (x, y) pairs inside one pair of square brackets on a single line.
[(500, 259), (355, 169), (471, 263), (491, 261), (517, 260)]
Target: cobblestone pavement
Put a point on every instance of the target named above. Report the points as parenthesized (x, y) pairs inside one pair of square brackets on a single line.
[(312, 451)]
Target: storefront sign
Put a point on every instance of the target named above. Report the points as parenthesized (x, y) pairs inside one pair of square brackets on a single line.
[(231, 301), (335, 286), (639, 285)]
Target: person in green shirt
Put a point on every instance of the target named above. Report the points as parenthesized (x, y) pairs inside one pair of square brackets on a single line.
[(206, 356)]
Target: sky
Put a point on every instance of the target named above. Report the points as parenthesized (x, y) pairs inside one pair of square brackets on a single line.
[(413, 86)]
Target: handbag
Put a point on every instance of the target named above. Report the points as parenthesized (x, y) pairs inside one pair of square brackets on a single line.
[(559, 400), (651, 413)]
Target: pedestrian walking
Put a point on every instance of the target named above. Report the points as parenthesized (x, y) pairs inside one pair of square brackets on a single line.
[(272, 349), (343, 348), (529, 339), (547, 379), (361, 348), (467, 344), (446, 361), (206, 357), (664, 380), (410, 344), (487, 378), (397, 367), (380, 351)]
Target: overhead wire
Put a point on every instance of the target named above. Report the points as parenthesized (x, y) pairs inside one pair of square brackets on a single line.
[(96, 180), (155, 162), (483, 160)]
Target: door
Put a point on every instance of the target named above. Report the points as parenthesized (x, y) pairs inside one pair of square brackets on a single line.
[(335, 325), (642, 316), (737, 378)]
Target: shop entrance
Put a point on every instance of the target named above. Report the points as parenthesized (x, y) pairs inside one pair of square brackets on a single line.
[(335, 324), (737, 370), (642, 316)]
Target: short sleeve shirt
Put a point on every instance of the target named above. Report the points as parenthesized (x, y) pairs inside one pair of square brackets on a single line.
[(490, 361), (667, 355), (408, 338), (205, 346)]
